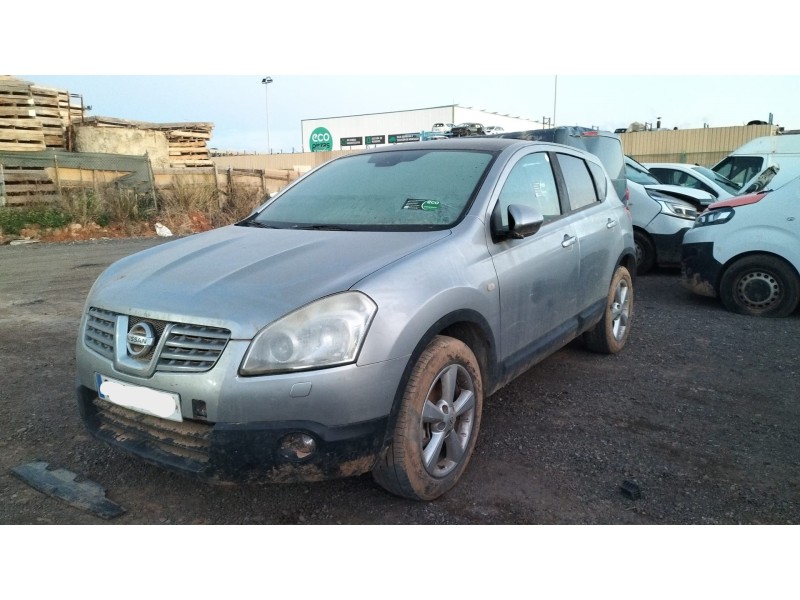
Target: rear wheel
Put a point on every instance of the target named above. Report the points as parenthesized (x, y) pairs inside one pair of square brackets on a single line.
[(611, 333), (437, 425), (760, 286), (645, 252)]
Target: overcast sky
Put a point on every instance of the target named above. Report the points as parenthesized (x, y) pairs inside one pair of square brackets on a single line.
[(604, 66)]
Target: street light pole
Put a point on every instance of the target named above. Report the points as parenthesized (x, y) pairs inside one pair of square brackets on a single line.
[(266, 81)]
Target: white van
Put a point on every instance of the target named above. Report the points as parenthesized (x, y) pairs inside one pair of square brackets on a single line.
[(778, 155)]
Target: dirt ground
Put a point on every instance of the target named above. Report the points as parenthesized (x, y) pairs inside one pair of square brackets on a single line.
[(700, 412)]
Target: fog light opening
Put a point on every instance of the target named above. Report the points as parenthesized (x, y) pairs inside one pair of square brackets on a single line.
[(297, 446)]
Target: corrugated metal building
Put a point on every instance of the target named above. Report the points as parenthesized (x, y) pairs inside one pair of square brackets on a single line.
[(369, 130), (705, 146)]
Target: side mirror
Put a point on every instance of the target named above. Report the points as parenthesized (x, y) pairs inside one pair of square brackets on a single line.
[(523, 221)]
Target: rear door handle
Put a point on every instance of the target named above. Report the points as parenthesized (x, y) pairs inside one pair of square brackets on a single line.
[(611, 223), (568, 241)]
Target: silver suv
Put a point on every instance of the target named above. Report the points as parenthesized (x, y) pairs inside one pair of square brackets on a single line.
[(357, 320)]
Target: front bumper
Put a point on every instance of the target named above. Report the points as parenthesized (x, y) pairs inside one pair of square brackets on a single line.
[(667, 232), (235, 452), (700, 271)]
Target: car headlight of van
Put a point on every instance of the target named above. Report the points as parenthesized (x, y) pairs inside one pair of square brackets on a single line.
[(326, 333), (715, 217), (678, 210)]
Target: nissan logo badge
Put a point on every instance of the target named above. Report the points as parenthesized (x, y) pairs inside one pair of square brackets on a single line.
[(141, 338)]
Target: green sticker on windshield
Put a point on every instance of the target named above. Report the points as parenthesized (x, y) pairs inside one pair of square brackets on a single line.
[(431, 205)]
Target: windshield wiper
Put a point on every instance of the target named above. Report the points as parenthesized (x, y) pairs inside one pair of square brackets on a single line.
[(254, 223), (321, 227)]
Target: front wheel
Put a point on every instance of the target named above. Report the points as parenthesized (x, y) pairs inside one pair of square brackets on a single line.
[(760, 286), (437, 425), (611, 332)]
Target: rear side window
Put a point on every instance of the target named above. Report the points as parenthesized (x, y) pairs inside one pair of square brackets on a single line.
[(580, 185)]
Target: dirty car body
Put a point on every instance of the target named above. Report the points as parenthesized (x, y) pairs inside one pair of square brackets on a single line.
[(295, 345)]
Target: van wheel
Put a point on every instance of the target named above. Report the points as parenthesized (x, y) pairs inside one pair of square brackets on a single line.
[(645, 252), (611, 332), (760, 286), (437, 425)]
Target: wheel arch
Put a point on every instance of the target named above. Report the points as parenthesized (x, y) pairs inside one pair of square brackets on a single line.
[(466, 325)]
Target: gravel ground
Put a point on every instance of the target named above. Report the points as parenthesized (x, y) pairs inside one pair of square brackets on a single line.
[(700, 412)]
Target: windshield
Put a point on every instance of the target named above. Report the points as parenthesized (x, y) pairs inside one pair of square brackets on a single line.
[(638, 174), (395, 190), (739, 169), (723, 182)]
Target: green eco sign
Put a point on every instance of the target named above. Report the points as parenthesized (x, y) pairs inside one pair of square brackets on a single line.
[(321, 140)]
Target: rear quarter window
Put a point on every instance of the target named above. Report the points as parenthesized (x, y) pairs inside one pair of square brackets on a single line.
[(599, 178)]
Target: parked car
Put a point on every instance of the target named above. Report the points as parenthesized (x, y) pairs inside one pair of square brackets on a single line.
[(465, 129), (443, 128), (694, 176), (493, 130), (746, 252), (356, 321), (660, 218)]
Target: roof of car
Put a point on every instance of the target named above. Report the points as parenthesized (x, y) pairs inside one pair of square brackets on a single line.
[(489, 143)]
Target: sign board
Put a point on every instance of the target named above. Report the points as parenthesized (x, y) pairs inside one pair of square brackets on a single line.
[(320, 140), (399, 138), (351, 141), (375, 139)]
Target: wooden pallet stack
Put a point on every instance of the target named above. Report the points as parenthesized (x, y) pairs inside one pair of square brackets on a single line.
[(188, 144), (21, 185), (21, 130), (52, 109)]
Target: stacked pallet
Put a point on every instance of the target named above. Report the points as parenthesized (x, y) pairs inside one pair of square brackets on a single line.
[(20, 185), (52, 109), (188, 144), (20, 127)]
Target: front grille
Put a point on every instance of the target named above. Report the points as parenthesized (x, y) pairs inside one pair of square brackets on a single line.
[(192, 348), (187, 349), (187, 440), (99, 336)]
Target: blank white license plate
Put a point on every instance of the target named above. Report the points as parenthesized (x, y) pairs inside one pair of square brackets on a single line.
[(138, 398)]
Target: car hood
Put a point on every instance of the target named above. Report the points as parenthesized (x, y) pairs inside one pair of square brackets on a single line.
[(243, 278), (683, 193)]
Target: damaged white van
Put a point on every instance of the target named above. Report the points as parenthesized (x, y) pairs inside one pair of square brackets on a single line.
[(762, 163)]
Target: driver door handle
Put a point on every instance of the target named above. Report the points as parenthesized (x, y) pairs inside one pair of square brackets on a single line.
[(568, 241)]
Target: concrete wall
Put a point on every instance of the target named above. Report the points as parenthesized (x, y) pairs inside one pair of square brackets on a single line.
[(123, 140)]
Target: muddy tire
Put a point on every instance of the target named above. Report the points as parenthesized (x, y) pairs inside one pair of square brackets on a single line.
[(437, 425), (760, 286), (611, 332)]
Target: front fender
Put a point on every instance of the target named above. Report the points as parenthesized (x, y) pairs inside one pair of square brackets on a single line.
[(757, 239)]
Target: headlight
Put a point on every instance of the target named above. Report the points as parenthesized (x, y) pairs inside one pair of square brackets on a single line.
[(325, 333), (678, 210), (714, 217)]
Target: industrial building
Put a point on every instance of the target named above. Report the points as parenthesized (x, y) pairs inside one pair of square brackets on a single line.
[(376, 129)]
